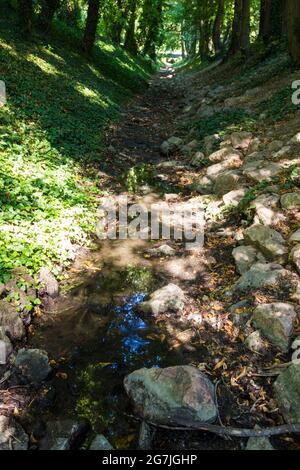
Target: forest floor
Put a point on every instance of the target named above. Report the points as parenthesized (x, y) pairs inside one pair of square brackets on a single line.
[(88, 330)]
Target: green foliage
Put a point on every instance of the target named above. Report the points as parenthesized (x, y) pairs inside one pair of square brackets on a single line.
[(58, 106), (224, 122)]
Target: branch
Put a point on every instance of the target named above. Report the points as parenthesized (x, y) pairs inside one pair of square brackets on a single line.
[(234, 432)]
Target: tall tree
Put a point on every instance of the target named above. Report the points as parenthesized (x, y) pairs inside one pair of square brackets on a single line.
[(49, 7), (245, 26), (293, 28), (271, 20), (218, 26), (150, 26), (130, 37), (26, 16), (235, 45), (91, 26)]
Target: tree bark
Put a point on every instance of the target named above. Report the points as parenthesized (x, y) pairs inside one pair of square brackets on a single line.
[(293, 29), (26, 16), (218, 26), (91, 26), (245, 26), (235, 45), (47, 14), (130, 40)]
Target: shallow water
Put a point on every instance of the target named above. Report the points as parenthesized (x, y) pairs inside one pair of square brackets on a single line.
[(96, 336)]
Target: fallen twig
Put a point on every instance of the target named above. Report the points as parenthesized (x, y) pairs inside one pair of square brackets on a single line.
[(234, 432)]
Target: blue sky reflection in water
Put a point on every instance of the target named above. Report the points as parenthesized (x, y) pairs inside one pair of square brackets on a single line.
[(133, 331)]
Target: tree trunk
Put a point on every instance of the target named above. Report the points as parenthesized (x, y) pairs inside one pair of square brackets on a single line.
[(293, 28), (47, 14), (235, 45), (130, 41), (245, 26), (265, 18), (91, 26), (218, 26), (26, 16)]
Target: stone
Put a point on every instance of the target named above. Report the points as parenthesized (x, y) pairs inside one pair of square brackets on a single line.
[(241, 140), (233, 198), (6, 347), (226, 182), (100, 443), (240, 312), (197, 160), (287, 393), (295, 139), (11, 321), (295, 256), (282, 153), (223, 153), (32, 366), (49, 285), (259, 443), (68, 434), (180, 395), (171, 145), (275, 145), (275, 321), (210, 143), (12, 435), (245, 257), (267, 240), (295, 237), (255, 342), (260, 275), (266, 209), (163, 250), (290, 200), (203, 186), (168, 298), (261, 170), (231, 163)]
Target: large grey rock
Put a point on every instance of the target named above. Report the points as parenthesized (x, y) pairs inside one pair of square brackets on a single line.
[(6, 347), (260, 275), (224, 153), (12, 435), (226, 182), (180, 395), (168, 298), (261, 170), (49, 285), (231, 163), (11, 321), (287, 393), (32, 366), (266, 206), (295, 256), (197, 160), (233, 198), (204, 185), (241, 140), (245, 257), (210, 142), (65, 435), (290, 200), (275, 321), (100, 443), (267, 240)]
